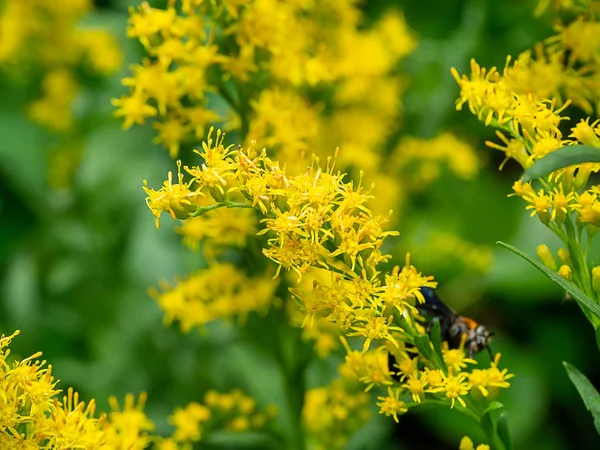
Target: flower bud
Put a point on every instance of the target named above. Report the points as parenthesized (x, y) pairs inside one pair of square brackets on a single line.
[(546, 256), (583, 174), (217, 194), (584, 133), (596, 279), (565, 272), (563, 255)]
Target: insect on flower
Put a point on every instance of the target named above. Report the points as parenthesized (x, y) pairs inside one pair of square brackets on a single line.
[(456, 330)]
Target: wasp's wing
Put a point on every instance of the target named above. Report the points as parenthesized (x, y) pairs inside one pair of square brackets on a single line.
[(433, 304)]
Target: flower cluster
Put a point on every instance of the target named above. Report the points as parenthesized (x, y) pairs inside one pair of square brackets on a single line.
[(218, 292), (412, 379), (43, 37), (44, 33), (284, 73), (33, 414), (222, 229), (316, 225), (314, 219), (333, 413), (233, 411), (266, 59), (443, 250), (529, 128), (414, 159), (567, 64)]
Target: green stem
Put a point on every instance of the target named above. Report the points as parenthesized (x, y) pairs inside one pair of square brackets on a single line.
[(578, 258), (201, 210), (291, 358)]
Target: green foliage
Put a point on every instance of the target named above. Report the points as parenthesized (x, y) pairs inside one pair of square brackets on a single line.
[(588, 306), (561, 158), (587, 392), (76, 264), (495, 422)]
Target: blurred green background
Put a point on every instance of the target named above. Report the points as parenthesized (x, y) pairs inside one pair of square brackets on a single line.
[(76, 263)]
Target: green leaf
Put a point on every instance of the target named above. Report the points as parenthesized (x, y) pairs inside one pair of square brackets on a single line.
[(563, 157), (586, 303), (598, 337), (495, 423), (436, 339), (503, 431), (587, 392), (423, 344)]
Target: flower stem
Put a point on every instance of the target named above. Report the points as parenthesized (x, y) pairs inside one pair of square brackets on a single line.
[(201, 210)]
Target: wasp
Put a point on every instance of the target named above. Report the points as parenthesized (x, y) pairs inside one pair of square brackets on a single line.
[(455, 329)]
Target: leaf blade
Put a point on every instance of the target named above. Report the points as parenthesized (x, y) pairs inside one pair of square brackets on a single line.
[(494, 421), (563, 157), (583, 300), (587, 392)]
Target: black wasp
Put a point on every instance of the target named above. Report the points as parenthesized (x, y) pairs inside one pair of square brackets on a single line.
[(454, 326)]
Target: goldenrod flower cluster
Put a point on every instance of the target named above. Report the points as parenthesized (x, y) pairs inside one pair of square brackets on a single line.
[(266, 59), (529, 127), (233, 411), (221, 291), (284, 73), (44, 34), (333, 413), (567, 64), (43, 37), (419, 154), (222, 229), (316, 221), (440, 250), (412, 379), (34, 415)]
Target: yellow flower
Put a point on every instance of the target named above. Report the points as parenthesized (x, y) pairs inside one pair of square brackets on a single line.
[(454, 387), (331, 414), (467, 444), (176, 199), (134, 109), (392, 405), (456, 359), (219, 292), (188, 422), (375, 328), (30, 404), (416, 384)]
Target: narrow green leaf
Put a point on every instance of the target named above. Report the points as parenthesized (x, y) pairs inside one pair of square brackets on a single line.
[(495, 423), (503, 431), (492, 407), (436, 339), (587, 392), (586, 303), (598, 337), (488, 425), (563, 157), (487, 421), (423, 344)]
